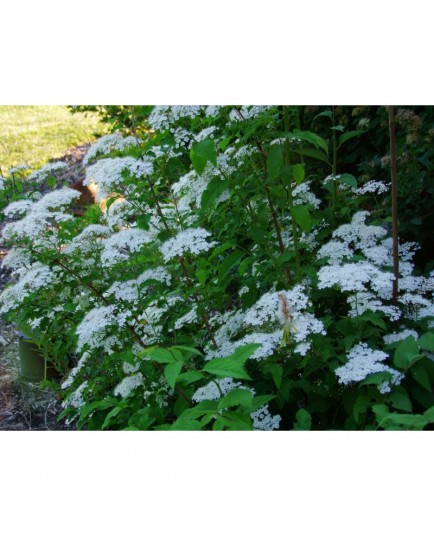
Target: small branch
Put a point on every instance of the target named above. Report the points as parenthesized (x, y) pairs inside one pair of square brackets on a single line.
[(394, 182)]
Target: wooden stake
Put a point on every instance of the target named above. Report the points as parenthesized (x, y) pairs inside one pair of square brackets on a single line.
[(394, 202)]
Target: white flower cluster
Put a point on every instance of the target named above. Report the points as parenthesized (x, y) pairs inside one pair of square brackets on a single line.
[(108, 173), (73, 373), (76, 398), (88, 239), (93, 328), (159, 273), (372, 187), (191, 241), (33, 279), (17, 208), (278, 313), (18, 169), (162, 117), (128, 384), (302, 194), (42, 174), (370, 279), (119, 246), (41, 215), (363, 361), (17, 258), (400, 336), (107, 144), (189, 318)]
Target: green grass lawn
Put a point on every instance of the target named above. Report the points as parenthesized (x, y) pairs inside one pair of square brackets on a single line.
[(33, 135)]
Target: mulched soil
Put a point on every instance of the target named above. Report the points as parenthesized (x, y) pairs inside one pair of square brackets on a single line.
[(23, 405)]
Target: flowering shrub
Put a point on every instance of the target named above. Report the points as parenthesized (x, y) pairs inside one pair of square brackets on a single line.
[(231, 278)]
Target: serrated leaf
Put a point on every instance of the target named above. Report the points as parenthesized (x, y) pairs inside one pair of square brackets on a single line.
[(172, 371), (97, 405), (303, 420), (274, 162), (376, 378), (426, 342), (201, 153), (161, 355), (237, 397), (302, 217), (349, 135)]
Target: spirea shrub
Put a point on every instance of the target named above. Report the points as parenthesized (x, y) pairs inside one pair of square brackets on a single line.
[(231, 278)]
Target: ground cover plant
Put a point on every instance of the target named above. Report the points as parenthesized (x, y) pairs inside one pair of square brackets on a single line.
[(236, 273)]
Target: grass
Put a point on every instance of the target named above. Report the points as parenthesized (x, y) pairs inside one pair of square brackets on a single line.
[(34, 135)]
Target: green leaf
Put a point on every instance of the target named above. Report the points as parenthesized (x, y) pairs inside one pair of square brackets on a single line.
[(420, 375), (274, 162), (232, 366), (235, 421), (298, 172), (309, 137), (201, 153), (349, 135), (401, 401), (172, 371), (327, 113), (406, 352), (429, 414), (111, 415), (201, 276), (276, 373), (51, 181), (427, 342), (261, 400), (302, 217), (161, 355), (360, 406), (237, 397), (403, 421), (187, 349), (311, 153), (373, 318), (98, 404), (303, 420), (190, 377), (215, 187), (376, 378), (346, 178)]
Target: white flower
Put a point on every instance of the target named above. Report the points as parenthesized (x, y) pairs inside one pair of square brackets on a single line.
[(363, 361), (128, 384), (119, 246), (92, 329), (191, 241), (189, 318), (107, 144), (400, 335), (18, 208), (108, 173), (372, 187), (159, 273), (46, 171), (263, 420), (76, 398)]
